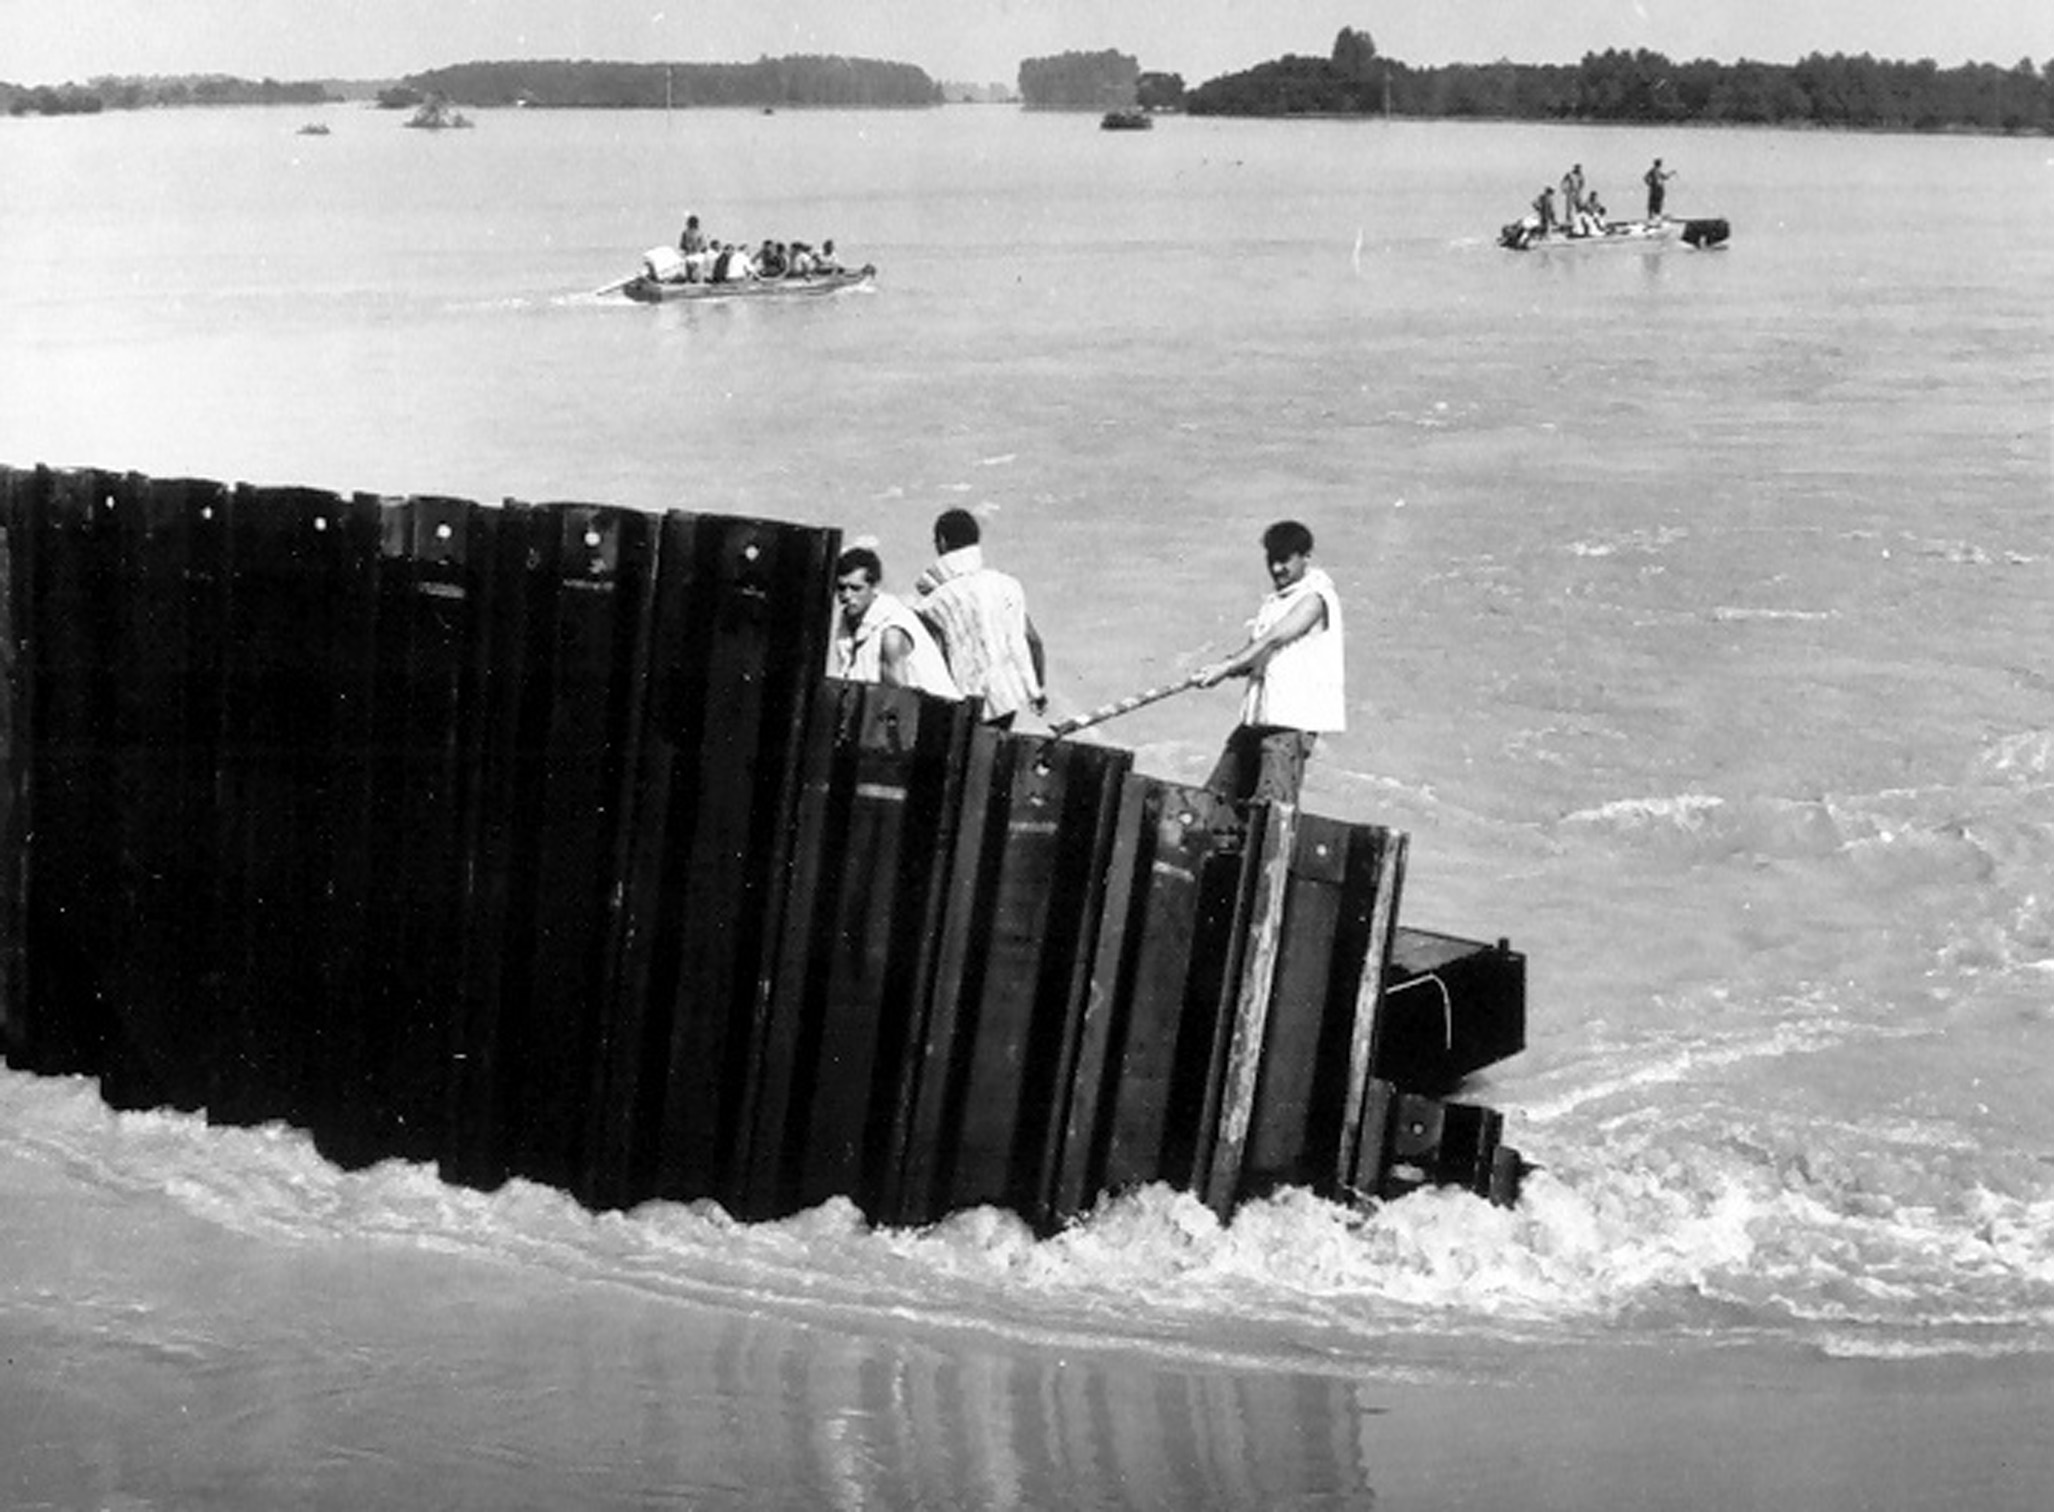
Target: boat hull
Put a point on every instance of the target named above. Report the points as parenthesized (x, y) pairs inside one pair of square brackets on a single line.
[(1524, 236), (647, 290)]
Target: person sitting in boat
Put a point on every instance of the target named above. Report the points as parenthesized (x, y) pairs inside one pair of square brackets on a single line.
[(732, 265), (1593, 215), (770, 259), (663, 265), (826, 262), (803, 262)]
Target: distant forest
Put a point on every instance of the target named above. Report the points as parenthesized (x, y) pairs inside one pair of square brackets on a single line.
[(1642, 86), (114, 93), (629, 86), (768, 81), (1077, 80), (1353, 79)]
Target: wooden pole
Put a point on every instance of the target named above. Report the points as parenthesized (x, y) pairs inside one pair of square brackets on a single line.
[(1121, 706)]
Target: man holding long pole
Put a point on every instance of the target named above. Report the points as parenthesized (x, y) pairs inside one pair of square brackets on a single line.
[(1293, 661)]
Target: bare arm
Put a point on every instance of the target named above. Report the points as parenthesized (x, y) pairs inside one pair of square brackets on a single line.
[(895, 658), (1304, 617)]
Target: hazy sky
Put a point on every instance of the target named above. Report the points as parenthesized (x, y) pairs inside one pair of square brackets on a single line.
[(978, 41)]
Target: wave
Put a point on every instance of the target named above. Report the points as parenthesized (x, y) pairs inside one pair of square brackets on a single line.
[(2025, 759), (1844, 1239)]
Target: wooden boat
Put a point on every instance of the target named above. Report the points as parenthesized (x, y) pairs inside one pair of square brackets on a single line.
[(1526, 235), (1126, 120), (313, 128), (649, 290)]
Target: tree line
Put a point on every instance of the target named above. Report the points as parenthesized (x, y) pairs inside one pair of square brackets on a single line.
[(546, 83), (116, 93), (1080, 81), (1353, 79), (1645, 87), (804, 80)]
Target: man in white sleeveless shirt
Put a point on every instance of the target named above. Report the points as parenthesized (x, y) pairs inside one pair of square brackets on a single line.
[(1296, 684), (877, 638)]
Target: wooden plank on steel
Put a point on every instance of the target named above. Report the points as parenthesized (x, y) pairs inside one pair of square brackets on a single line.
[(1101, 1030), (428, 642), (1004, 1085), (583, 707), (1301, 1088), (736, 653), (1094, 777), (626, 1121), (1028, 877), (1356, 1147), (940, 814), (917, 1191), (74, 858), (764, 1187), (854, 1122), (515, 552), (1223, 1134), (171, 624), (876, 821), (1160, 977)]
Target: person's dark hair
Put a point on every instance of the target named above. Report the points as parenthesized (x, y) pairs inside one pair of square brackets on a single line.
[(1286, 538), (863, 557), (955, 528)]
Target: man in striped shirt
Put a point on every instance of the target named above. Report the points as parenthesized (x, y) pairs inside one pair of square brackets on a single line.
[(979, 615)]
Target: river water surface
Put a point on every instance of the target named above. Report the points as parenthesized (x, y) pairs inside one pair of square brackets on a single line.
[(1699, 611)]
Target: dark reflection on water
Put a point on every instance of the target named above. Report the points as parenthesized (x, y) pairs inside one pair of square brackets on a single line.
[(819, 1420), (149, 1357)]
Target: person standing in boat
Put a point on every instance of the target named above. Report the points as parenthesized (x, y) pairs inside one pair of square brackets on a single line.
[(1544, 209), (692, 247), (1572, 200), (979, 615), (1657, 180), (877, 638), (1297, 687)]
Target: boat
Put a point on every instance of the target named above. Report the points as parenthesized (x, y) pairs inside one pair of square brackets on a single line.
[(313, 128), (647, 288), (436, 116), (1126, 120), (1526, 235)]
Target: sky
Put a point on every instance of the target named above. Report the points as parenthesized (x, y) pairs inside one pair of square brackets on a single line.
[(973, 41)]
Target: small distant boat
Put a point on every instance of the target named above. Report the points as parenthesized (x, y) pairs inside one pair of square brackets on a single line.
[(1527, 236), (1126, 120), (648, 290), (436, 116), (663, 279), (313, 128)]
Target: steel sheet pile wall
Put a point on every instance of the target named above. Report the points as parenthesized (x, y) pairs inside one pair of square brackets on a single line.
[(530, 840)]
